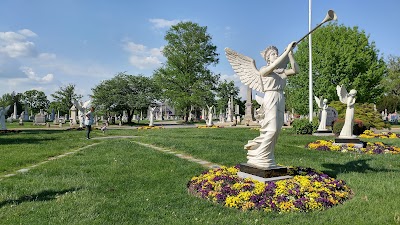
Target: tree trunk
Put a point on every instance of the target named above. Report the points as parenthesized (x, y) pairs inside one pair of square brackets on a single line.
[(130, 115)]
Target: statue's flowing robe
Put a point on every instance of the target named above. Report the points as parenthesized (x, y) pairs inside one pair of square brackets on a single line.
[(272, 116), (322, 124), (347, 130)]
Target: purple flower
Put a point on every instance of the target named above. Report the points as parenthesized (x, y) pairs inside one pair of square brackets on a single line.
[(220, 197), (323, 148)]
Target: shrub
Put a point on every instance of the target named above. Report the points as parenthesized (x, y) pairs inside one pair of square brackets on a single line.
[(315, 123), (337, 126), (303, 126), (364, 112), (358, 127)]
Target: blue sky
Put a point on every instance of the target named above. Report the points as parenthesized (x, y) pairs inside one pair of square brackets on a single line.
[(45, 44)]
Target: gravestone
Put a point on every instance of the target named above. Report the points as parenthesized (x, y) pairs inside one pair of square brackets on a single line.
[(3, 111), (40, 118), (26, 116), (332, 116)]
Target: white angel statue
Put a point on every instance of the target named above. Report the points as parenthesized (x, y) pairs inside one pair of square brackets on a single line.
[(151, 116), (271, 80), (210, 116), (322, 104), (350, 100), (3, 111), (82, 107)]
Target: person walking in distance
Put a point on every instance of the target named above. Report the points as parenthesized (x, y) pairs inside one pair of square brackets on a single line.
[(89, 122)]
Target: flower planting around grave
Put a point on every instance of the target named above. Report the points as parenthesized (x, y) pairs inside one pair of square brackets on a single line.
[(370, 148), (371, 134), (308, 190), (205, 126), (150, 127)]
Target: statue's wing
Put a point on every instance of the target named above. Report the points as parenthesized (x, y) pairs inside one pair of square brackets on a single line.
[(319, 101), (7, 108), (77, 105), (86, 104), (245, 68), (342, 93)]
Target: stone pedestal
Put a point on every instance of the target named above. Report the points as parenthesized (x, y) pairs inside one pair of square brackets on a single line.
[(262, 174), (345, 141), (323, 133)]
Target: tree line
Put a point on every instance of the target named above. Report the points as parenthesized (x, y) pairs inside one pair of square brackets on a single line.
[(341, 55)]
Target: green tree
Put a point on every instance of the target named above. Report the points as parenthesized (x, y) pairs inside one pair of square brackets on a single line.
[(224, 91), (9, 100), (6, 100), (341, 55), (36, 100), (391, 83), (125, 92), (63, 98), (185, 78)]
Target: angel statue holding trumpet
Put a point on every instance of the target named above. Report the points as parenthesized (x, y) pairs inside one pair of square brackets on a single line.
[(270, 80)]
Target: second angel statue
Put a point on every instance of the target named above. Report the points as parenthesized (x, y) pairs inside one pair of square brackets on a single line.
[(271, 80)]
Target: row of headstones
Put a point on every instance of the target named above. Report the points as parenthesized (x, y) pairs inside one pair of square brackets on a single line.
[(391, 117)]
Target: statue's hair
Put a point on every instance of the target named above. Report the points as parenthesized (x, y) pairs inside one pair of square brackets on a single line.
[(353, 92), (265, 53)]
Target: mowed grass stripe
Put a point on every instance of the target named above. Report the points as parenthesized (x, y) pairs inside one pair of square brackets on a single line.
[(116, 182)]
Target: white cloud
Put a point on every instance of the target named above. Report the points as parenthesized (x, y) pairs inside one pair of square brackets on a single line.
[(142, 57), (27, 33), (33, 77), (16, 45), (47, 56), (162, 23)]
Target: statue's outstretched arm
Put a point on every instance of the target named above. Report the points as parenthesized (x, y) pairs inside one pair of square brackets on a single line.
[(294, 66), (265, 71)]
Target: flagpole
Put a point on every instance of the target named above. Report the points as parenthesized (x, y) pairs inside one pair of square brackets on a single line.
[(310, 83)]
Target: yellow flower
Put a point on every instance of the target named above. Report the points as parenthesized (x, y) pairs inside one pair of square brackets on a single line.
[(312, 204), (248, 205), (258, 187), (303, 180), (232, 201), (244, 196), (237, 186), (233, 170), (212, 195), (286, 206), (281, 188)]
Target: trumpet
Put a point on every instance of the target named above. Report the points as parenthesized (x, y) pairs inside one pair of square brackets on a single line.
[(330, 15)]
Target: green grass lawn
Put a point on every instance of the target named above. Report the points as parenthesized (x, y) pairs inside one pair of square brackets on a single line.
[(120, 182)]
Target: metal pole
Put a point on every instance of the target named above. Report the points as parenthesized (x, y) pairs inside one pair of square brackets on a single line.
[(310, 101)]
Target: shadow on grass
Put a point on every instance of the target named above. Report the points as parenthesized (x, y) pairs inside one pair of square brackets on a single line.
[(24, 140), (359, 166), (46, 195)]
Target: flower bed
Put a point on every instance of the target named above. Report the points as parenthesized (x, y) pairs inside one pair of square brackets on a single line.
[(371, 134), (371, 148), (150, 127), (205, 126), (308, 190)]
